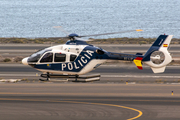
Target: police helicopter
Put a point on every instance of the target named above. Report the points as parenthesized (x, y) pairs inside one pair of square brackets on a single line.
[(76, 57)]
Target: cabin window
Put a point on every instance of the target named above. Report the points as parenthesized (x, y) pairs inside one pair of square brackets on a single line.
[(72, 57), (60, 57), (36, 56), (48, 57)]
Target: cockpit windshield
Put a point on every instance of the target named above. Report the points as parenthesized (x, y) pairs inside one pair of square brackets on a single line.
[(36, 56)]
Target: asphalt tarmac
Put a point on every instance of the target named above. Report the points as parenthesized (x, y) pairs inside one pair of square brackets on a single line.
[(117, 73), (111, 98), (89, 101)]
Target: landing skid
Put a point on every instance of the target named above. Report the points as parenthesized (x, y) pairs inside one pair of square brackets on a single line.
[(77, 78), (47, 77)]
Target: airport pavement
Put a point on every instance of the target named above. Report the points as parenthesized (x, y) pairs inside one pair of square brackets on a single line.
[(90, 101)]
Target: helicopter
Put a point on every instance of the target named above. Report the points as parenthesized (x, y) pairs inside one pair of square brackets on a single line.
[(76, 57)]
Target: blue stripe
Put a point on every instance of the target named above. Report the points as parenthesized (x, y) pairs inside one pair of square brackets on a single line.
[(155, 47), (160, 40)]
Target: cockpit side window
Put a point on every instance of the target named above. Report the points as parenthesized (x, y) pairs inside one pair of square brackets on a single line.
[(36, 56), (72, 57), (48, 57), (59, 57)]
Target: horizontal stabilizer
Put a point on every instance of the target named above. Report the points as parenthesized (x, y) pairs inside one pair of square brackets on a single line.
[(139, 53), (158, 70)]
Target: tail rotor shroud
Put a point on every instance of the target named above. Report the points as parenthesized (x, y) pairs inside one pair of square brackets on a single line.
[(157, 57)]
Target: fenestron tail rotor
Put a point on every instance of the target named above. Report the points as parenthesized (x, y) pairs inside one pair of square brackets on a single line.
[(157, 57)]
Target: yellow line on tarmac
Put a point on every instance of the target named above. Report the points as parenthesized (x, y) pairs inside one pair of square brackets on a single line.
[(112, 105), (139, 115)]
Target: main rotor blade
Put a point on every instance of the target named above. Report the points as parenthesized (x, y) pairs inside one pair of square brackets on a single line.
[(54, 37), (61, 29), (67, 37), (81, 39), (111, 33)]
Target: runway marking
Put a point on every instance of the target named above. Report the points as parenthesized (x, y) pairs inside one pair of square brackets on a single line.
[(94, 94), (112, 105), (137, 76), (139, 115)]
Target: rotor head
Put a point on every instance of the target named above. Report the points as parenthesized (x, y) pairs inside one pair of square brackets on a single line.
[(73, 36)]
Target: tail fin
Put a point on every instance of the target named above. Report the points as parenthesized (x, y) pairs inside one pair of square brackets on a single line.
[(157, 57)]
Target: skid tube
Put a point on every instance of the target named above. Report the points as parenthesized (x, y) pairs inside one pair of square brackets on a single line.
[(83, 78)]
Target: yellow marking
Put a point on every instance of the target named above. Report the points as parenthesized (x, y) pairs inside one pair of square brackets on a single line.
[(47, 64), (129, 100), (112, 105), (126, 82), (139, 30), (165, 45), (139, 115), (137, 62)]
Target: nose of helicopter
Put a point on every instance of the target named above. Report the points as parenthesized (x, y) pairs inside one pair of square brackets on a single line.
[(24, 61)]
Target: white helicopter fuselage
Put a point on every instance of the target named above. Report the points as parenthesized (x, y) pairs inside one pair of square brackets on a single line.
[(82, 64), (75, 50)]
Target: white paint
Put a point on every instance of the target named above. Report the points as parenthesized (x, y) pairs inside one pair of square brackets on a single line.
[(83, 59), (87, 56), (63, 66), (90, 52), (76, 67), (80, 63), (70, 66)]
